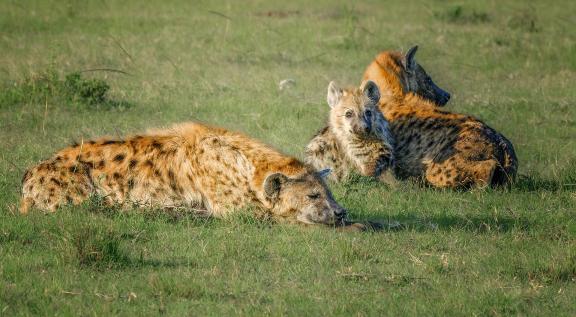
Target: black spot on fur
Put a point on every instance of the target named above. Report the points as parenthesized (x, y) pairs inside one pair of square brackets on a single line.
[(130, 184), (41, 180), (72, 169), (26, 176), (117, 176), (119, 158), (157, 145), (133, 163), (108, 142), (55, 181)]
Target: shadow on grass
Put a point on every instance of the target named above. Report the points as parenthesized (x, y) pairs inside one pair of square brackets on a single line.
[(478, 225), (105, 250)]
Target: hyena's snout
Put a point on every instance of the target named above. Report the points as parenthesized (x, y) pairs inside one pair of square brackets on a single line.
[(338, 211), (442, 96)]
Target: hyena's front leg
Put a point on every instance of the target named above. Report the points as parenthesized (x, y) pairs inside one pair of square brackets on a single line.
[(372, 160), (322, 154)]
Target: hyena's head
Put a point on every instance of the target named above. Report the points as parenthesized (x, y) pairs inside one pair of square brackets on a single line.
[(399, 74), (305, 198), (354, 113)]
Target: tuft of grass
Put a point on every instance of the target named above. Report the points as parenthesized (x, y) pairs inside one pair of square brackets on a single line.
[(72, 91), (99, 249), (524, 21), (460, 15)]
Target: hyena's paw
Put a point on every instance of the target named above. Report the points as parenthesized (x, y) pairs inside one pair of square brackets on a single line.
[(377, 167)]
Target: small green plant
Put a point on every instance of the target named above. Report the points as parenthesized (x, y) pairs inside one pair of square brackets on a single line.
[(73, 90), (91, 91), (99, 249), (459, 15)]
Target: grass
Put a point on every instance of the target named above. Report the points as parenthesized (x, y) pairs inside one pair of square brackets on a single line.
[(72, 70)]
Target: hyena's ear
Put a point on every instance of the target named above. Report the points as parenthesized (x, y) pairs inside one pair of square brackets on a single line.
[(370, 90), (334, 94), (324, 173), (408, 61), (273, 184)]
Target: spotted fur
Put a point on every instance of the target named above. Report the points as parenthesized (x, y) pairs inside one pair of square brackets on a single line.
[(357, 138), (448, 150), (190, 166), (445, 149)]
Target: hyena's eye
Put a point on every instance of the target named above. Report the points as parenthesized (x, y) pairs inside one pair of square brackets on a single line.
[(314, 196), (349, 114), (368, 113)]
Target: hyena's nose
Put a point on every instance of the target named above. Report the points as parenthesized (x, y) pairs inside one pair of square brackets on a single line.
[(340, 213), (445, 97)]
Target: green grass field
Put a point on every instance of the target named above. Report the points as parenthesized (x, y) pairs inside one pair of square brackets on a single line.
[(485, 252)]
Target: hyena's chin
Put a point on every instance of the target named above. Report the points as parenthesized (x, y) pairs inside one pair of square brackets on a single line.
[(305, 219), (325, 219)]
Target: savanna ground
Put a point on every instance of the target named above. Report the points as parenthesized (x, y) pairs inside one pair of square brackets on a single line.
[(486, 252)]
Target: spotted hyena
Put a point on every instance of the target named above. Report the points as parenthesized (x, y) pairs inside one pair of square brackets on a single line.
[(190, 166), (357, 138), (448, 150), (445, 149), (399, 74)]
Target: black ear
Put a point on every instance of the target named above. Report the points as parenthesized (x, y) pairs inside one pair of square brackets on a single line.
[(273, 184), (409, 62), (370, 90)]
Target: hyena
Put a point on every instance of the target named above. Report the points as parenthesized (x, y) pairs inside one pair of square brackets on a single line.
[(192, 166), (357, 137), (399, 74), (448, 150)]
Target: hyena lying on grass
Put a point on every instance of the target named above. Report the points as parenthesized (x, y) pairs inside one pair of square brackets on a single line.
[(357, 137), (398, 74), (191, 166), (445, 149)]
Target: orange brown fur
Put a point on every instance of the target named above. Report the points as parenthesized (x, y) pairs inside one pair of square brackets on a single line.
[(386, 71), (190, 166), (398, 74)]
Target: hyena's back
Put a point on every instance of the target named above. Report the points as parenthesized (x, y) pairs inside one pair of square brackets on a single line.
[(140, 168)]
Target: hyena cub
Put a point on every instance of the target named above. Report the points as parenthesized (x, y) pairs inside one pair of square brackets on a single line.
[(398, 74), (357, 137), (192, 166)]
